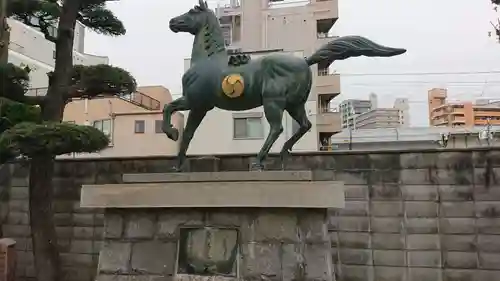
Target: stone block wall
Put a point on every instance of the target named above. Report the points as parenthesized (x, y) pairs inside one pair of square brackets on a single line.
[(79, 230), (433, 215), (436, 217), (276, 244)]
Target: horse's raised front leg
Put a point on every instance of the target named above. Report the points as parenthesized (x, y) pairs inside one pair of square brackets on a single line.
[(193, 122), (179, 104), (274, 115), (298, 113)]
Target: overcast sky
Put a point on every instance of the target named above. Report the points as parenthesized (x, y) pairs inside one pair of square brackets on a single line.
[(440, 36)]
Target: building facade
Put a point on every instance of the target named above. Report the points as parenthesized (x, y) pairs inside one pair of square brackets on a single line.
[(378, 118), (133, 123), (365, 114), (463, 113), (29, 48), (396, 117), (259, 27), (351, 108)]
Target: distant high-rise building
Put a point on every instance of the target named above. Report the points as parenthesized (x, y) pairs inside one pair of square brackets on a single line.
[(350, 108), (404, 111), (463, 113), (365, 114), (373, 100)]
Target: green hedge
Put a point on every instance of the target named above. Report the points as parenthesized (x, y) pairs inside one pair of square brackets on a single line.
[(31, 139), (14, 82), (12, 113)]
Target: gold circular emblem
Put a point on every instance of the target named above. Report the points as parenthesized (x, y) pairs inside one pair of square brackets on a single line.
[(233, 85)]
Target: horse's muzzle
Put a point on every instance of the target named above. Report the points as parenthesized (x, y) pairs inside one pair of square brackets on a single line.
[(174, 25)]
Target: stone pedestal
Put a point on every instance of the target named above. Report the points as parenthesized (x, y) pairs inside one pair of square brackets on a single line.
[(216, 226)]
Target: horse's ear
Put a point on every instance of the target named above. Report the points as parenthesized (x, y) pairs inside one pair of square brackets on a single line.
[(203, 5)]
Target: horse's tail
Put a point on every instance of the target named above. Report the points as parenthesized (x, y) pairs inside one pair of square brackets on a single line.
[(351, 46)]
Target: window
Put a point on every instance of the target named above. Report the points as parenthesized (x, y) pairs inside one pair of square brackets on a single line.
[(323, 71), (248, 128), (139, 127), (158, 125), (226, 33), (104, 126)]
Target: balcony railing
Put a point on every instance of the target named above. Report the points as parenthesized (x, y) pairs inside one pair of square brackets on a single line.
[(136, 98), (142, 100), (37, 92)]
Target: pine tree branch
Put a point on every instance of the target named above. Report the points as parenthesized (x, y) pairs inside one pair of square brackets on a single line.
[(101, 20), (42, 25)]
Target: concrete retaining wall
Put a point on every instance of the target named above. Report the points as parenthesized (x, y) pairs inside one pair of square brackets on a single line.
[(410, 216)]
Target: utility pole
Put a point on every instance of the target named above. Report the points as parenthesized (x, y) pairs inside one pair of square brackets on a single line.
[(4, 33), (486, 134), (350, 138)]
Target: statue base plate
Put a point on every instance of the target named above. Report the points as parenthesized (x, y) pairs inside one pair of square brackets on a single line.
[(268, 189)]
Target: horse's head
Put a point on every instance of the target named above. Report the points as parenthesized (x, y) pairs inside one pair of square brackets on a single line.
[(194, 20)]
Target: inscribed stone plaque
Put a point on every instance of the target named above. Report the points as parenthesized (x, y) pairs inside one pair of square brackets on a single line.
[(208, 251)]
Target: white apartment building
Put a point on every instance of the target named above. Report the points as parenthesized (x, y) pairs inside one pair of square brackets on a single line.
[(259, 27), (365, 114), (28, 47)]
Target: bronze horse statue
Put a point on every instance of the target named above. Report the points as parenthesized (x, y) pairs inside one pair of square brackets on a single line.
[(277, 82)]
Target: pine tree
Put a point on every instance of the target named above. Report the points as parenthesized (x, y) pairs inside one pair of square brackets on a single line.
[(39, 133)]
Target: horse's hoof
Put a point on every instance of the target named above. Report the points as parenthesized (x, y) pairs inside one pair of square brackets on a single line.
[(171, 132), (256, 167), (176, 169), (284, 154)]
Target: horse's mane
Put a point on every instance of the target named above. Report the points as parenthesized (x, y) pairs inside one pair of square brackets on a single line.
[(238, 59), (233, 59)]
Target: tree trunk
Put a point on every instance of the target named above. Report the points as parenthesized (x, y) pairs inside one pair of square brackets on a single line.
[(4, 33), (59, 82), (47, 259), (43, 232)]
